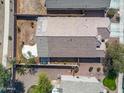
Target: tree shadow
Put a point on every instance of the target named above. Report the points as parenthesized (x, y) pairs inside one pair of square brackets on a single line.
[(19, 87)]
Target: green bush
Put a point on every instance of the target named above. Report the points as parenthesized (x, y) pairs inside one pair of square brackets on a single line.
[(111, 12), (110, 83), (112, 73)]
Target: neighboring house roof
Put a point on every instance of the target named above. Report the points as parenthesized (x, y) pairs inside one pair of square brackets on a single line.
[(77, 4), (70, 26), (70, 84)]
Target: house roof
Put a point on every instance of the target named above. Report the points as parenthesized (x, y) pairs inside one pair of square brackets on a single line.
[(70, 4), (70, 84), (70, 26)]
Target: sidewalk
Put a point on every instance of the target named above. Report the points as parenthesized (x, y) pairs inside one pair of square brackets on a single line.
[(6, 33), (120, 82)]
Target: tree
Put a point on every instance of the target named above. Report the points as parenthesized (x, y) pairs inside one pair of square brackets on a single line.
[(4, 76), (44, 84), (21, 70), (111, 12), (19, 87), (114, 60)]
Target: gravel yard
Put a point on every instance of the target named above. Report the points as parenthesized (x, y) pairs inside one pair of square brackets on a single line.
[(25, 35), (31, 7)]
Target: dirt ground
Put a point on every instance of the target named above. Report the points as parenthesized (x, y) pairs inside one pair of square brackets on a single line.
[(26, 28), (25, 35), (31, 7)]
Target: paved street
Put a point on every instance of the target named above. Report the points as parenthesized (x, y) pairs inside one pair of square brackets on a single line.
[(1, 27)]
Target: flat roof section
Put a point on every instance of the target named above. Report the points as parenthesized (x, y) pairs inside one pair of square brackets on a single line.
[(70, 26)]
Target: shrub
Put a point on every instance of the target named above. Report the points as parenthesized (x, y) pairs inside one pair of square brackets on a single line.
[(111, 12), (112, 73), (10, 37), (2, 2), (18, 29), (76, 69), (32, 24), (98, 69), (90, 69)]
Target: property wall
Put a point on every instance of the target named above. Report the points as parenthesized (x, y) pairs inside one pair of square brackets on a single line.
[(45, 60), (81, 60), (86, 13)]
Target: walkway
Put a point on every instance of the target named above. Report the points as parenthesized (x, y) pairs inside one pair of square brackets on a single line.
[(122, 20), (120, 82), (6, 32)]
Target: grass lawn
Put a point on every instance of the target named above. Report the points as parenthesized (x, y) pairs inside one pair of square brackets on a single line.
[(110, 83)]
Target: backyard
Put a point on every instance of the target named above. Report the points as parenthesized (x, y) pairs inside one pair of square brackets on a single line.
[(31, 7), (25, 36)]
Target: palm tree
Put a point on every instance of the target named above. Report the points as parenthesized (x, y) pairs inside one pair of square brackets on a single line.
[(21, 70), (44, 84), (4, 76)]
